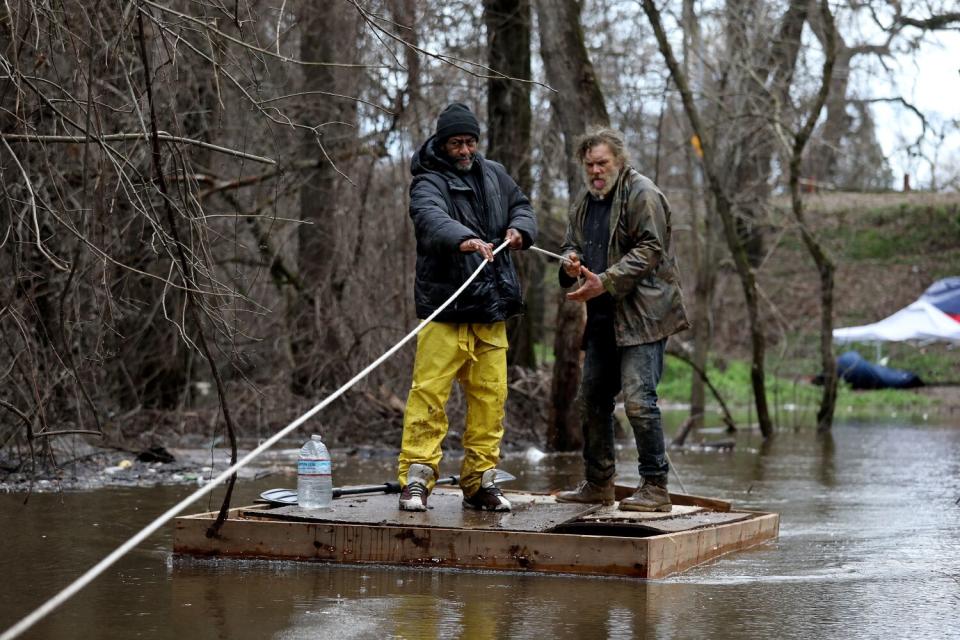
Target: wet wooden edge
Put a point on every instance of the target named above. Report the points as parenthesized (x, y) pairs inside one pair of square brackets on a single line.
[(649, 557)]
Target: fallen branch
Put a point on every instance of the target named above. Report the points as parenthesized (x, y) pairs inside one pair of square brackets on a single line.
[(678, 350)]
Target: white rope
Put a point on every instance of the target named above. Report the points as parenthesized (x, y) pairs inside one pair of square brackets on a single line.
[(78, 584), (551, 254), (558, 257), (676, 472)]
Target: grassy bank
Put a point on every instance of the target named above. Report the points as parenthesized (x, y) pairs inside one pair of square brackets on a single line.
[(887, 248), (796, 396)]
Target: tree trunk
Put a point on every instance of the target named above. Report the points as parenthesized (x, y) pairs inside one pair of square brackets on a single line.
[(825, 266), (578, 101), (837, 123), (577, 104), (706, 281), (509, 124), (328, 34), (508, 106), (703, 241), (725, 209)]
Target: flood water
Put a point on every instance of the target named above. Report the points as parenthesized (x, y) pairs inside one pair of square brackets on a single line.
[(869, 547)]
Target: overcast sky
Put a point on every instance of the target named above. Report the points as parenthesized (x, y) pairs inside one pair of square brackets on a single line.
[(932, 83)]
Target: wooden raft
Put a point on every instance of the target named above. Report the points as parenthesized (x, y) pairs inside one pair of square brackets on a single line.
[(539, 534)]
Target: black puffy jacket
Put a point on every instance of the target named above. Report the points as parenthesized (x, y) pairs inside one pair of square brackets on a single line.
[(445, 212)]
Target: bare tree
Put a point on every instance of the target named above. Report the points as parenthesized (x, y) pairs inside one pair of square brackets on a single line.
[(848, 129), (331, 34), (822, 260), (705, 240), (729, 161), (577, 103), (509, 121)]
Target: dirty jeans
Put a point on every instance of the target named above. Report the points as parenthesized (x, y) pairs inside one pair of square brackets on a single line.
[(606, 369), (476, 356)]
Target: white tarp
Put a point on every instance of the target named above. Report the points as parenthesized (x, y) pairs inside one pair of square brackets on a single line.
[(919, 321)]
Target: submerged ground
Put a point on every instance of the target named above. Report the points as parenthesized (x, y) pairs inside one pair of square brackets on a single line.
[(867, 549)]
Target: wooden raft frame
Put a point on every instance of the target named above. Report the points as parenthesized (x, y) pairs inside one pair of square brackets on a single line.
[(651, 556)]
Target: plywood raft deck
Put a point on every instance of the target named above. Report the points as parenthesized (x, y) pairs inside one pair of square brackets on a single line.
[(539, 534)]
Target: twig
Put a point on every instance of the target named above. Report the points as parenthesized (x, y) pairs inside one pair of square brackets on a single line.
[(28, 184), (181, 254), (111, 137), (48, 434), (247, 45), (457, 63)]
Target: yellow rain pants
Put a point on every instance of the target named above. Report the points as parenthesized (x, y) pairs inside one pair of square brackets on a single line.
[(476, 355)]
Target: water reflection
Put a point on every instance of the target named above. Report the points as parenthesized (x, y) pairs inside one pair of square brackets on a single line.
[(310, 601), (828, 451), (868, 548)]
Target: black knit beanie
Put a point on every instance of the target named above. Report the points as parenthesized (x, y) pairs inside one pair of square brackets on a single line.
[(457, 119)]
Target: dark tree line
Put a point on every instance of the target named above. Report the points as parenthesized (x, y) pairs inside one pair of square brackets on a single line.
[(204, 219)]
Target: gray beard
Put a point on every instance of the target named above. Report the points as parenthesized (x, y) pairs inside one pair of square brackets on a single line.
[(601, 194), (456, 165)]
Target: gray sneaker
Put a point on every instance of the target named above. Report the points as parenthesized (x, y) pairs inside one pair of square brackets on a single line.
[(413, 497), (589, 493), (488, 497), (652, 495)]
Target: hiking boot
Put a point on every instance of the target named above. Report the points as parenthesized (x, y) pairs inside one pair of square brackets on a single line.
[(588, 492), (413, 497), (488, 497), (652, 495)]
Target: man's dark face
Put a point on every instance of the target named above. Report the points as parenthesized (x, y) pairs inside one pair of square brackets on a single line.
[(461, 149)]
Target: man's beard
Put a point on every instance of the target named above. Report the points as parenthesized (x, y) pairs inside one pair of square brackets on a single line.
[(609, 179), (467, 164)]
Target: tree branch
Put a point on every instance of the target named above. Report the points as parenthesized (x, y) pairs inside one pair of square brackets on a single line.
[(932, 23), (111, 137)]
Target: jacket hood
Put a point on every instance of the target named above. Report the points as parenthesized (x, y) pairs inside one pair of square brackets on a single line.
[(426, 159)]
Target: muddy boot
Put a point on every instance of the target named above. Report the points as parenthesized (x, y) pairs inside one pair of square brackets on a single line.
[(651, 496), (413, 497), (588, 492), (488, 497)]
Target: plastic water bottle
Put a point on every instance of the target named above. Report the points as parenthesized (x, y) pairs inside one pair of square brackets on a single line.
[(314, 479)]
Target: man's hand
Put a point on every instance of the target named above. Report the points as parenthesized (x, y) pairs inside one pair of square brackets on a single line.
[(591, 287), (571, 265), (476, 244), (514, 238)]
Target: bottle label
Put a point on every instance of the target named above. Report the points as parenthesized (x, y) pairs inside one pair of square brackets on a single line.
[(313, 467)]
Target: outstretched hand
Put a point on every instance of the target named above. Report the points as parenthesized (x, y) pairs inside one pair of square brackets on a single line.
[(591, 287)]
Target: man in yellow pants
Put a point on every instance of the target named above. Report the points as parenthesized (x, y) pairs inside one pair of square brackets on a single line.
[(461, 205)]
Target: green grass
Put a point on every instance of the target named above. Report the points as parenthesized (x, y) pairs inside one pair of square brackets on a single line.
[(796, 395), (891, 233), (543, 353)]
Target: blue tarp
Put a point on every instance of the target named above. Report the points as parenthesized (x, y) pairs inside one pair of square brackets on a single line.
[(862, 374)]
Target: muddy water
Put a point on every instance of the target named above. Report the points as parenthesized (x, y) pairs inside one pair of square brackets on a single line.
[(869, 548)]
